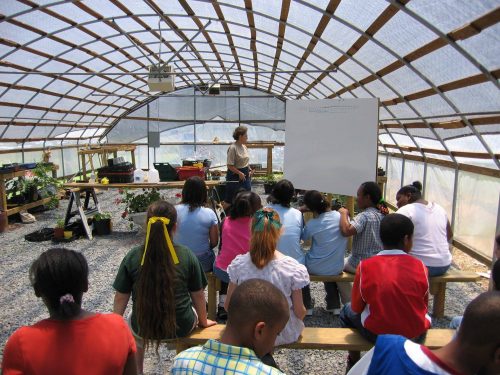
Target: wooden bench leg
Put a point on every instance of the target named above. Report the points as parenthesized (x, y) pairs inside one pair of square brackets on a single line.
[(180, 347), (439, 292), (212, 297)]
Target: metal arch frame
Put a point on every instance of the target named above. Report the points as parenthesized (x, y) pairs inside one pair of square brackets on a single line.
[(308, 62), (176, 30), (185, 5), (153, 98), (349, 25), (467, 56), (423, 77)]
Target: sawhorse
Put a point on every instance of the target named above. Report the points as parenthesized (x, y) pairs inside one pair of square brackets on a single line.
[(84, 210)]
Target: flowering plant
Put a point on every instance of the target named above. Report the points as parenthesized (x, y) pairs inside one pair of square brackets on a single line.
[(137, 201)]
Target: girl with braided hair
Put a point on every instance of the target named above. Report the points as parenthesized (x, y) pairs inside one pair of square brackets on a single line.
[(264, 262), (365, 227), (166, 282)]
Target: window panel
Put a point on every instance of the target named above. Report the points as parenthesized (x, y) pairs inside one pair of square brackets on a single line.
[(406, 81), (484, 47), (447, 16), (482, 97)]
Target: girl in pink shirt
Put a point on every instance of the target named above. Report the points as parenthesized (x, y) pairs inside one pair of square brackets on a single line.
[(235, 239)]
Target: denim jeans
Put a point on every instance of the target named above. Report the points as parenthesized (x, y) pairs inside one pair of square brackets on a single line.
[(437, 271), (224, 279)]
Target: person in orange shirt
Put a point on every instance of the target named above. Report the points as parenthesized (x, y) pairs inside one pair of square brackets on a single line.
[(72, 341)]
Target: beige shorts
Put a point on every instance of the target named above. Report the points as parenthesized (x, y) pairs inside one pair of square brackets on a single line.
[(139, 341)]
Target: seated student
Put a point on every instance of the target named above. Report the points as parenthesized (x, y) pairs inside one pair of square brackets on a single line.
[(365, 227), (474, 350), (495, 277), (290, 218), (197, 225), (257, 313), (72, 341), (263, 261), (166, 282), (432, 228), (326, 255), (235, 239), (391, 290)]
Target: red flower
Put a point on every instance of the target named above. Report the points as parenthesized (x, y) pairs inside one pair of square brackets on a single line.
[(118, 200), (124, 214), (120, 191), (178, 195)]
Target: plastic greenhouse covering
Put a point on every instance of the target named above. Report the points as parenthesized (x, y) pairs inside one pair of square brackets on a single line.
[(74, 73)]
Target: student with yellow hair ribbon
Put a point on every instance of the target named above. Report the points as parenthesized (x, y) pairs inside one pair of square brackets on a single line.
[(166, 282)]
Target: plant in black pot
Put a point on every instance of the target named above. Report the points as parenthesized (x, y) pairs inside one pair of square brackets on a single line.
[(102, 223), (269, 182), (59, 229)]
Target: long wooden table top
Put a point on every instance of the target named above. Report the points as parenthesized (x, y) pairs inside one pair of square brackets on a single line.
[(140, 185), (325, 338)]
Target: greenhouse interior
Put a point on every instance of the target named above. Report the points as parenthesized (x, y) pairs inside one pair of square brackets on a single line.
[(101, 99)]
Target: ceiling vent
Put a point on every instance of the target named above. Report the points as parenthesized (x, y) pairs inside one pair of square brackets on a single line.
[(160, 78)]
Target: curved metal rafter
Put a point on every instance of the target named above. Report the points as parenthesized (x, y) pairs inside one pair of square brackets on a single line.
[(439, 90)]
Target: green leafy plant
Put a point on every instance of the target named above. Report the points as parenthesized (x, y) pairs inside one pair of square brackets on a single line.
[(60, 223), (36, 182), (138, 202), (102, 216)]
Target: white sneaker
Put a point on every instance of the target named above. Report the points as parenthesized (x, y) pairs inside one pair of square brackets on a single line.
[(309, 312), (333, 311)]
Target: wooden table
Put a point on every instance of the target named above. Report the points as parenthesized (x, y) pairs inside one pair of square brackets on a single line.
[(104, 152), (3, 193), (77, 188)]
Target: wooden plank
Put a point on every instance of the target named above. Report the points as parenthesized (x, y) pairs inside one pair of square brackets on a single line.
[(484, 259), (146, 185), (445, 163), (321, 338), (17, 209)]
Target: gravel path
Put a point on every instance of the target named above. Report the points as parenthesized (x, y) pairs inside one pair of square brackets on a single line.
[(104, 254)]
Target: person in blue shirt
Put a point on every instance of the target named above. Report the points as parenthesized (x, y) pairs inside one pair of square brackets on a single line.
[(326, 256), (197, 225), (291, 219), (474, 350)]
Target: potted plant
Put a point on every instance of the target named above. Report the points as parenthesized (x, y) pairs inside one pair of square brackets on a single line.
[(59, 229), (136, 204), (269, 182), (102, 223)]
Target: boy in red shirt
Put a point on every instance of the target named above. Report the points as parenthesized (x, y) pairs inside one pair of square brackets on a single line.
[(391, 290)]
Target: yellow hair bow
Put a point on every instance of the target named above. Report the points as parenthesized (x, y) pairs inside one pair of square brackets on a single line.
[(170, 246)]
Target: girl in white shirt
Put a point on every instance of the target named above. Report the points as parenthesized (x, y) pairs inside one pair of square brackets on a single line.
[(432, 228)]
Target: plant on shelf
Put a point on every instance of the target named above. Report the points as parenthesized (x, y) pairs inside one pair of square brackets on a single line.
[(36, 184)]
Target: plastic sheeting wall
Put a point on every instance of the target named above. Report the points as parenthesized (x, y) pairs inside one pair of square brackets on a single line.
[(476, 209)]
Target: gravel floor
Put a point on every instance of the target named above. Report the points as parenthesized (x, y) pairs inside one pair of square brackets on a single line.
[(21, 307)]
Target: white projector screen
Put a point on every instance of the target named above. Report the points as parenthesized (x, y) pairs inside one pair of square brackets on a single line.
[(331, 144)]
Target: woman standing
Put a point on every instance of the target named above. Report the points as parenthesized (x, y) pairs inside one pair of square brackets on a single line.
[(432, 228), (197, 227), (238, 170)]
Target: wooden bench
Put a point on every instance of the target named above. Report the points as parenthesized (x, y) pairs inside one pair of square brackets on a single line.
[(437, 287), (318, 338)]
